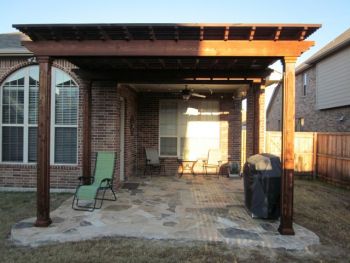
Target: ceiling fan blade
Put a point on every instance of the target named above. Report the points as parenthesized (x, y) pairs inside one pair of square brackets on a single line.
[(198, 95)]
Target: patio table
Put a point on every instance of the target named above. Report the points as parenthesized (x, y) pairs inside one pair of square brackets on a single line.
[(187, 165)]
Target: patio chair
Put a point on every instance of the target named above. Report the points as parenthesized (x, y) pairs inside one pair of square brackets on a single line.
[(213, 161), (100, 182), (152, 162)]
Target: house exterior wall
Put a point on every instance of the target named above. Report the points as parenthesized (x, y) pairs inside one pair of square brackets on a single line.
[(105, 124), (141, 130), (274, 112), (148, 130), (328, 120)]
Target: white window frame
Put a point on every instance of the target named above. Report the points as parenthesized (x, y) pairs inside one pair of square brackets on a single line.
[(178, 131), (168, 136), (26, 125), (305, 84), (53, 119)]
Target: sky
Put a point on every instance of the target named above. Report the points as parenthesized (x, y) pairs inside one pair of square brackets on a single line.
[(334, 15)]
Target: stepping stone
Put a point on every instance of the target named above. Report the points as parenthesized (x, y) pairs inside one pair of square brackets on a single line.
[(269, 228), (85, 223), (164, 215), (57, 219), (117, 207), (69, 231), (130, 186), (237, 233), (137, 202), (170, 224), (22, 225)]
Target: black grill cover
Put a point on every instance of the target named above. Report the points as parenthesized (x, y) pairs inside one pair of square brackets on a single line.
[(262, 185)]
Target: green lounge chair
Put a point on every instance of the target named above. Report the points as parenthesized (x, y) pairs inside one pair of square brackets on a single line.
[(101, 181)]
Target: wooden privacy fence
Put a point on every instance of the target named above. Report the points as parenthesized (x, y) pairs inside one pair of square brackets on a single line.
[(326, 155), (333, 158), (304, 149)]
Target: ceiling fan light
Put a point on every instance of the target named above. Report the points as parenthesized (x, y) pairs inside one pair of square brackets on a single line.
[(186, 96)]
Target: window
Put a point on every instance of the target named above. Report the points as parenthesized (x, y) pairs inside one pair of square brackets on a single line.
[(305, 80), (188, 129), (19, 117), (64, 118), (299, 124)]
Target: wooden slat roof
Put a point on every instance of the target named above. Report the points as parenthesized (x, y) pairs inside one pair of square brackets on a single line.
[(180, 31), (168, 63)]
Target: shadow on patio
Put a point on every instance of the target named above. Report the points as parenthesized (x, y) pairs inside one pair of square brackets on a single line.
[(187, 209)]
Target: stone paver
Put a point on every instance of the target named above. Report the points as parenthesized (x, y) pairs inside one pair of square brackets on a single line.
[(188, 208)]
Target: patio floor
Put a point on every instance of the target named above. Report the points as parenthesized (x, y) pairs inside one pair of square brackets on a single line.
[(185, 209)]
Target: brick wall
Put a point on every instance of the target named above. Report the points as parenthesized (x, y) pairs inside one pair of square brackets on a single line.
[(105, 125), (148, 129), (141, 130), (274, 112)]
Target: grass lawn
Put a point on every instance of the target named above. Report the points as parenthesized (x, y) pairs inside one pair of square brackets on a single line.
[(322, 208)]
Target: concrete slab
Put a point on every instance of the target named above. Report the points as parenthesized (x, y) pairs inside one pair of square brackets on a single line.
[(187, 209)]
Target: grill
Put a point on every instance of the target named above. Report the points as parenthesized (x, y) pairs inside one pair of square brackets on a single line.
[(262, 186)]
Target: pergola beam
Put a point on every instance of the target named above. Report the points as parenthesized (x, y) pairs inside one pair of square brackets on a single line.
[(170, 48), (108, 77), (173, 76)]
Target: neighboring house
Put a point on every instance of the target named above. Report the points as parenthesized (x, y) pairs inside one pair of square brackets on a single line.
[(322, 91)]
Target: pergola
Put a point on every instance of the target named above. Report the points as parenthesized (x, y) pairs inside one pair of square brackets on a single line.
[(170, 53)]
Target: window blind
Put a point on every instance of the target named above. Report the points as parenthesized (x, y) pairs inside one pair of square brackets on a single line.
[(65, 145), (189, 128), (12, 144), (32, 144)]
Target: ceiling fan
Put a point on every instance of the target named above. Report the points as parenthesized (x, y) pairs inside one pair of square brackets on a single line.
[(187, 93)]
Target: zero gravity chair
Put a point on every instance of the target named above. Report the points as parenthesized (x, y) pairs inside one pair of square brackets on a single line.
[(100, 183)]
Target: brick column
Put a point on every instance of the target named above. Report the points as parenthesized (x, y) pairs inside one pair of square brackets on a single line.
[(231, 127), (260, 119), (255, 141)]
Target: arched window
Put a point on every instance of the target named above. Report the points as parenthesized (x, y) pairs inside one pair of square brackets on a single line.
[(19, 117)]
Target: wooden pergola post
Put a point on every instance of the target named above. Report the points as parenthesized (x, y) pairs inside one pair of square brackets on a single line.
[(43, 162), (287, 154), (87, 132)]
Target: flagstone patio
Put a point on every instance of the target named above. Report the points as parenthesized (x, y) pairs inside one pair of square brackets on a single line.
[(186, 209)]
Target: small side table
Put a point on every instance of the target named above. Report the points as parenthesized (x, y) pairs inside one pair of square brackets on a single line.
[(187, 165)]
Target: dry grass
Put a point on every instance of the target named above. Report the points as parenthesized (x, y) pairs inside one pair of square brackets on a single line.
[(319, 207)]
